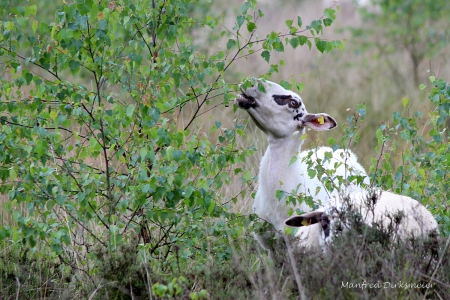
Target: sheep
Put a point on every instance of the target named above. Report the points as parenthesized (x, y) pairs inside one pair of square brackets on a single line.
[(404, 215), (282, 116)]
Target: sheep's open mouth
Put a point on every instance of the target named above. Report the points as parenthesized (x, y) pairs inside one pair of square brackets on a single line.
[(246, 102)]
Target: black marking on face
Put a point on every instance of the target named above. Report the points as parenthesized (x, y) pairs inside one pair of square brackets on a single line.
[(298, 116), (282, 99), (287, 99), (247, 102)]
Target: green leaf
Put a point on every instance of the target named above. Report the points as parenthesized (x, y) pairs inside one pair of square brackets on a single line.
[(422, 173), (316, 25), (294, 42), (278, 46), (41, 147), (211, 207), (9, 26), (266, 55), (74, 66), (177, 154), (12, 174), (320, 44), (379, 135), (245, 7), (57, 248), (220, 66), (54, 29), (130, 110), (280, 194), (327, 22), (251, 26), (261, 87), (28, 77), (22, 21), (405, 101), (240, 20), (299, 22), (361, 110), (302, 40), (286, 84), (34, 26), (143, 152), (231, 43), (312, 173), (300, 86), (30, 10), (292, 160), (61, 199), (330, 13)]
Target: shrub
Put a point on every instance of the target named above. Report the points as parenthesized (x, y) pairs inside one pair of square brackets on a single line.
[(102, 146)]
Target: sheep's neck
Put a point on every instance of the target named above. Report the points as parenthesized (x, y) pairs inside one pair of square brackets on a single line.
[(280, 173), (281, 150), (277, 174)]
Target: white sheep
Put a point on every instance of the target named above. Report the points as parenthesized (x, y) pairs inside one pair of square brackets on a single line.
[(282, 116), (407, 217)]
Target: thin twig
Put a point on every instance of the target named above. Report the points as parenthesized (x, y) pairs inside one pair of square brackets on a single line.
[(18, 288), (378, 162), (149, 281), (437, 267), (95, 291), (298, 280), (38, 65)]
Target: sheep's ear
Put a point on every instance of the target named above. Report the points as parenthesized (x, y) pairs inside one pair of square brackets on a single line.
[(318, 122), (305, 219)]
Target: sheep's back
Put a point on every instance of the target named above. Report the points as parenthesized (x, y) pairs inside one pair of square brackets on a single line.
[(416, 220)]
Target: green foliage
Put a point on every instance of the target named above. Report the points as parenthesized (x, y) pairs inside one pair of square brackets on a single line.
[(175, 288), (114, 186), (423, 150), (100, 143), (172, 289), (413, 155), (418, 27)]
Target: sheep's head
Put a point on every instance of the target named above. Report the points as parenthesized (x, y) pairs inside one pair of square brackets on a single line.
[(315, 218), (309, 219), (280, 112)]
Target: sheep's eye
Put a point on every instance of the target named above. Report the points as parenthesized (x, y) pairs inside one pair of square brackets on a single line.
[(294, 103)]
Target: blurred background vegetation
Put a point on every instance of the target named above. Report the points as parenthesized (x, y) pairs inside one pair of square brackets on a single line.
[(391, 48)]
